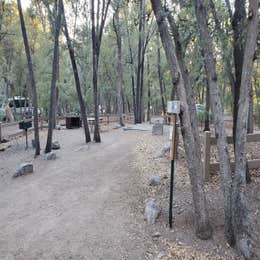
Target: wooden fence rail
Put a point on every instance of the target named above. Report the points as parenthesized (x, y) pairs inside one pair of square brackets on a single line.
[(210, 168), (106, 119), (16, 134)]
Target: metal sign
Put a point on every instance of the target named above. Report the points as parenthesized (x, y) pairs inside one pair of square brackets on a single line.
[(173, 107)]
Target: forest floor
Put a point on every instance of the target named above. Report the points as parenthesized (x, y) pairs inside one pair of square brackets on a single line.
[(89, 202)]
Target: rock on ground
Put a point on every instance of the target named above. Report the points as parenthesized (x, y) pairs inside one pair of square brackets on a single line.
[(152, 211), (161, 256), (154, 181), (4, 146), (25, 168), (50, 156), (55, 145)]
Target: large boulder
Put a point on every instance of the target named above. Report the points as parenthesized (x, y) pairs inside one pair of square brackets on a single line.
[(152, 211), (154, 181), (50, 156), (157, 129), (24, 169), (55, 145), (4, 146)]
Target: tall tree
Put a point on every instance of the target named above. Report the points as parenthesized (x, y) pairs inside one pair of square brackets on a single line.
[(250, 119), (98, 10), (120, 81), (218, 112), (32, 81), (148, 91), (190, 135), (240, 213), (180, 56), (52, 109), (131, 62), (238, 25), (140, 62), (207, 108), (160, 75), (76, 78)]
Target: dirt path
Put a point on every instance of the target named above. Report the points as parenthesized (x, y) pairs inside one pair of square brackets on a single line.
[(77, 207)]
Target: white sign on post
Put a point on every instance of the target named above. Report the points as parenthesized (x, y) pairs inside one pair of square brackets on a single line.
[(173, 107)]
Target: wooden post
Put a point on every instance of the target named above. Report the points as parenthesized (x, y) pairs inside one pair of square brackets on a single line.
[(177, 141), (172, 152), (206, 162), (0, 132)]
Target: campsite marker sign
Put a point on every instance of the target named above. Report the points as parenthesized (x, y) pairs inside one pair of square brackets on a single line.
[(173, 108)]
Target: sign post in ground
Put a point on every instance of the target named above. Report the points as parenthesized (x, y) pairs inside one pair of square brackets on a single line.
[(173, 108)]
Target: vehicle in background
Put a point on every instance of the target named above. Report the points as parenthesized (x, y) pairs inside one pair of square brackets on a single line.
[(20, 106)]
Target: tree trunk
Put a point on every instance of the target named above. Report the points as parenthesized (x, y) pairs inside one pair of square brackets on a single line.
[(97, 32), (148, 92), (210, 65), (95, 51), (240, 213), (54, 79), (250, 120), (139, 81), (160, 76), (76, 77), (97, 137), (32, 81), (119, 65), (202, 225), (238, 25), (132, 67), (207, 108)]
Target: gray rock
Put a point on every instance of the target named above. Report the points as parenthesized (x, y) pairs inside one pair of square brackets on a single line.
[(50, 156), (25, 168), (157, 129), (154, 181), (161, 256), (4, 146), (152, 211), (156, 235), (55, 145)]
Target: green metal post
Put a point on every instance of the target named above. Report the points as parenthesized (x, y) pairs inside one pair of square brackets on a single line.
[(171, 192), (172, 170)]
